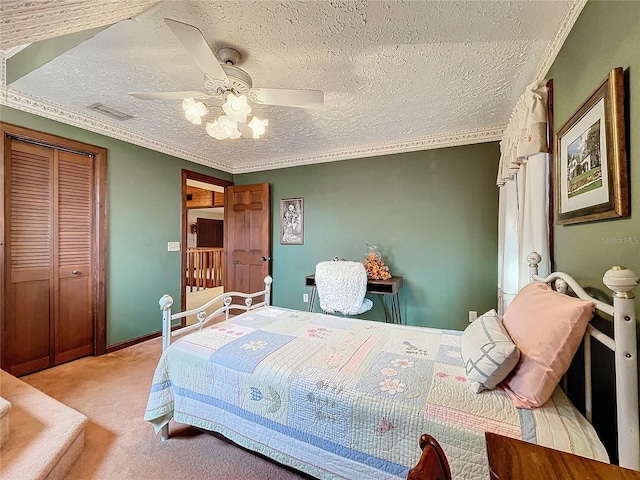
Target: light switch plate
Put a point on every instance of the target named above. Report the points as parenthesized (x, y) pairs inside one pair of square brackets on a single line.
[(173, 246)]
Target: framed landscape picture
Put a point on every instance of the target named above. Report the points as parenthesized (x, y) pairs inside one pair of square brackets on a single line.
[(591, 181)]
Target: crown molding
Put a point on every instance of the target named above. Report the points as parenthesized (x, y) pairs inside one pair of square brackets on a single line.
[(430, 142), (44, 108), (52, 111), (571, 14), (10, 52)]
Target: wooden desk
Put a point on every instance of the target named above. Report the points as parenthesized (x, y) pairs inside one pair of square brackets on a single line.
[(385, 288), (511, 459)]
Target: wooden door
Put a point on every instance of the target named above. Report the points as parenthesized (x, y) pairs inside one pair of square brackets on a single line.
[(29, 280), (53, 254), (247, 218), (74, 324)]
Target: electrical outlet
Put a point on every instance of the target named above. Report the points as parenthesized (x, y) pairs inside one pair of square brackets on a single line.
[(472, 315), (173, 246), (305, 297)]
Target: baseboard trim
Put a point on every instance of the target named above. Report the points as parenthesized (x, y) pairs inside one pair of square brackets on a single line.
[(132, 342)]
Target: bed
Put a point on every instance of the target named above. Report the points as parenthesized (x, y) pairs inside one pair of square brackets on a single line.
[(336, 397)]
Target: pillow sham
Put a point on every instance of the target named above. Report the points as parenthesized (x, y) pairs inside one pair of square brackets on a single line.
[(547, 327), (488, 353)]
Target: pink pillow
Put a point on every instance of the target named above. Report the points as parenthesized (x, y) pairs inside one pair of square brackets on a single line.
[(547, 327)]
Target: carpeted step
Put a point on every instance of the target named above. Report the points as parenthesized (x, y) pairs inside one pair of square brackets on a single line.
[(46, 437), (5, 409)]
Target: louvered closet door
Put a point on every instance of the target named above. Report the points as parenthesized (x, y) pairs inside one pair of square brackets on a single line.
[(29, 266), (74, 325), (50, 224)]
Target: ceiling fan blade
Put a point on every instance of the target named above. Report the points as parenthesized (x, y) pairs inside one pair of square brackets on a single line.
[(194, 42), (288, 97), (170, 95)]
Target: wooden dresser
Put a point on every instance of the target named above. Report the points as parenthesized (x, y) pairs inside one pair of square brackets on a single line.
[(511, 459)]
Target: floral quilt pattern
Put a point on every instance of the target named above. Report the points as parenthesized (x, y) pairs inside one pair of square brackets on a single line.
[(344, 398)]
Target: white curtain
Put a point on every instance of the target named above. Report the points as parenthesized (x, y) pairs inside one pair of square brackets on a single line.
[(523, 222)]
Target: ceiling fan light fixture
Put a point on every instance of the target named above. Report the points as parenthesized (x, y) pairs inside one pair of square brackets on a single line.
[(236, 107), (215, 131), (225, 80), (258, 126), (229, 126), (223, 128), (194, 111)]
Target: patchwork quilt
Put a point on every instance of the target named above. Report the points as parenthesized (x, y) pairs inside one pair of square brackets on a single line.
[(346, 398)]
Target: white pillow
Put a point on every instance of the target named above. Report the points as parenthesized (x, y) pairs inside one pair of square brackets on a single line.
[(488, 353)]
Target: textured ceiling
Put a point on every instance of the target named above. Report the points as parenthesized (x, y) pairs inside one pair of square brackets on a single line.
[(397, 75)]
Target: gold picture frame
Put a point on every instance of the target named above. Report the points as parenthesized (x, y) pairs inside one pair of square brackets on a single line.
[(591, 179)]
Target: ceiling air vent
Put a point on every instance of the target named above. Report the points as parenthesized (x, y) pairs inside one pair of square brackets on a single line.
[(111, 112)]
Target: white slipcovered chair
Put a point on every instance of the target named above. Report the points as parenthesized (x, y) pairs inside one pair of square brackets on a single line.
[(341, 287)]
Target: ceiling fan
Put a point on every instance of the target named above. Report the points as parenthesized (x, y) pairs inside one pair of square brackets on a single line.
[(226, 81)]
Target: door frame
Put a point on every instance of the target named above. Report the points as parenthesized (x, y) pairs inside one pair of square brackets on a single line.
[(99, 276), (200, 177)]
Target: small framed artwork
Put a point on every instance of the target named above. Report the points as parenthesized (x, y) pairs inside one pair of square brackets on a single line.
[(292, 221), (591, 181)]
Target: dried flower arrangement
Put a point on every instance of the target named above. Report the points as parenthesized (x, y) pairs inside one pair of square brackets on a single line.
[(374, 264)]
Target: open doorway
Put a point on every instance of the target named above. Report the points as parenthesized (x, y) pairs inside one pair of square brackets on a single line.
[(203, 254)]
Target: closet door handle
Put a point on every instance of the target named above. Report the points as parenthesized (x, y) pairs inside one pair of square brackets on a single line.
[(74, 272)]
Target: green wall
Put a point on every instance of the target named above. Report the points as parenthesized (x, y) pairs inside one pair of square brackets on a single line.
[(143, 214), (605, 36), (434, 214)]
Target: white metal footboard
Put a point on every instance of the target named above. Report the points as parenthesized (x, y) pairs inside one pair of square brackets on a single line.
[(621, 281), (201, 312), (227, 304)]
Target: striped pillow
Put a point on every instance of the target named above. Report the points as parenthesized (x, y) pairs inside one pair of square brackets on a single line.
[(488, 353)]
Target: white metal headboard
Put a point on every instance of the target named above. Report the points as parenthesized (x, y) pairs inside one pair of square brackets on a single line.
[(621, 281)]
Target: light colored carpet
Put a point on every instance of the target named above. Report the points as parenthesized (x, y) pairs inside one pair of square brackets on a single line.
[(111, 390)]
